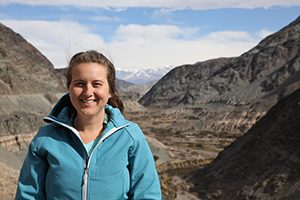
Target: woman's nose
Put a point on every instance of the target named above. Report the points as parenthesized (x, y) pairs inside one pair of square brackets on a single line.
[(88, 90)]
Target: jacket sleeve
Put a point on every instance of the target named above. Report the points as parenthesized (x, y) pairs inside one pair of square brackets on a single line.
[(31, 183), (144, 178)]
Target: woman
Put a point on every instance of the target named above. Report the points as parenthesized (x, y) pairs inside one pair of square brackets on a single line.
[(89, 150)]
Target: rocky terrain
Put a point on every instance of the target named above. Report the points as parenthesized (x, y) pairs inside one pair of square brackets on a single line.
[(262, 164), (232, 93), (198, 110), (270, 68), (189, 116), (23, 69)]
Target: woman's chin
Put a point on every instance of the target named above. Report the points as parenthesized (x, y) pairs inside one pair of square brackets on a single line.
[(88, 112)]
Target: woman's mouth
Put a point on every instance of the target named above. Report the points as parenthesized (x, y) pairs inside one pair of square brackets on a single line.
[(87, 101)]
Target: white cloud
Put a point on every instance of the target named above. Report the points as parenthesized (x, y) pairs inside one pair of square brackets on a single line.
[(57, 40), (156, 46), (264, 33), (170, 4), (153, 32), (133, 46), (105, 18)]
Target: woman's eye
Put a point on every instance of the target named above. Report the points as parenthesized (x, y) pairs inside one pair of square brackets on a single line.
[(97, 84), (79, 84)]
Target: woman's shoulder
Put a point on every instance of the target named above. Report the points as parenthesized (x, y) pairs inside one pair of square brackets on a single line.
[(42, 135), (134, 130), (45, 130)]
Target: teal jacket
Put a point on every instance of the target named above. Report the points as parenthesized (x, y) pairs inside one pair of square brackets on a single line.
[(58, 167)]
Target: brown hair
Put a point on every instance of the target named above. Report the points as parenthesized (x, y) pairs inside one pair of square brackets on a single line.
[(96, 57)]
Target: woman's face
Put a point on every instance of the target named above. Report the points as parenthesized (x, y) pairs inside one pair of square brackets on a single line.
[(89, 89)]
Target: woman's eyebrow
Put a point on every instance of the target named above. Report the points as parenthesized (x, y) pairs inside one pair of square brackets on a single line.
[(98, 80), (78, 80)]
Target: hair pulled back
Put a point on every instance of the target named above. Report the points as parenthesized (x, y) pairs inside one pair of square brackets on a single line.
[(92, 56)]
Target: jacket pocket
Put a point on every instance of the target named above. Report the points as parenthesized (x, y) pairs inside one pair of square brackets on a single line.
[(108, 187), (106, 166), (109, 178)]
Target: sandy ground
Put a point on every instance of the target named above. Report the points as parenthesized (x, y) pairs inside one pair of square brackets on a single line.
[(8, 182)]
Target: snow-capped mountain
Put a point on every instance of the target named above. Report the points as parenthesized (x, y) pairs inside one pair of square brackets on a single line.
[(142, 76)]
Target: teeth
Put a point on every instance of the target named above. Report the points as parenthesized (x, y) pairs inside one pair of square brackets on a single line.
[(88, 101)]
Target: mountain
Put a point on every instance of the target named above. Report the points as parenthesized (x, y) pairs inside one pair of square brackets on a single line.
[(262, 164), (142, 76), (140, 89), (28, 84), (23, 69), (269, 69), (230, 94)]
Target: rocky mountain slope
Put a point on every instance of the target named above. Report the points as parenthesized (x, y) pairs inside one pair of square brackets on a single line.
[(23, 113), (262, 164), (231, 94), (270, 68), (23, 69), (28, 83)]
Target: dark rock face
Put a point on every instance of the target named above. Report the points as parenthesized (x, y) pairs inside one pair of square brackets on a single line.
[(19, 122), (262, 164), (272, 68), (23, 69), (183, 85), (27, 81)]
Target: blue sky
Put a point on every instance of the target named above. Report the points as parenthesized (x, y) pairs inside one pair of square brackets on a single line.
[(141, 34)]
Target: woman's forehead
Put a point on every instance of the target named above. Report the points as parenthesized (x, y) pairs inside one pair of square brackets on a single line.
[(89, 70)]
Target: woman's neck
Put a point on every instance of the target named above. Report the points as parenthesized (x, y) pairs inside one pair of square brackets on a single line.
[(89, 128)]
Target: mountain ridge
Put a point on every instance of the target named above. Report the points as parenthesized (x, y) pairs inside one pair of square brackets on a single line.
[(19, 61), (256, 73), (261, 164)]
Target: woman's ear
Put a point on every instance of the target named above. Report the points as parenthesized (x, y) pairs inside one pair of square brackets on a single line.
[(110, 94)]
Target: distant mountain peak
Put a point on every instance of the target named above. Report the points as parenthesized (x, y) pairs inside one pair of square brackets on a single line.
[(142, 76)]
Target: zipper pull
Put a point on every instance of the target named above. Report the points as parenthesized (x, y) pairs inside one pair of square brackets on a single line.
[(86, 172), (84, 185)]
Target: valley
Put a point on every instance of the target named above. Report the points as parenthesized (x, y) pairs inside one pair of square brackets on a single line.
[(226, 128)]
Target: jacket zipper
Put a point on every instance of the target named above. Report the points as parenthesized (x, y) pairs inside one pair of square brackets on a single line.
[(84, 185), (87, 166)]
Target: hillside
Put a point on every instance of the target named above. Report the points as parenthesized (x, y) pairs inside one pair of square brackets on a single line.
[(262, 164), (269, 69), (231, 94), (28, 83), (23, 69)]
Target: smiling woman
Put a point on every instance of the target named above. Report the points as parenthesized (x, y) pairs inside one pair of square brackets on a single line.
[(89, 89), (89, 93), (89, 149)]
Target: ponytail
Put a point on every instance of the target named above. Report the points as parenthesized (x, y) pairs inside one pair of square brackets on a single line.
[(116, 102)]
